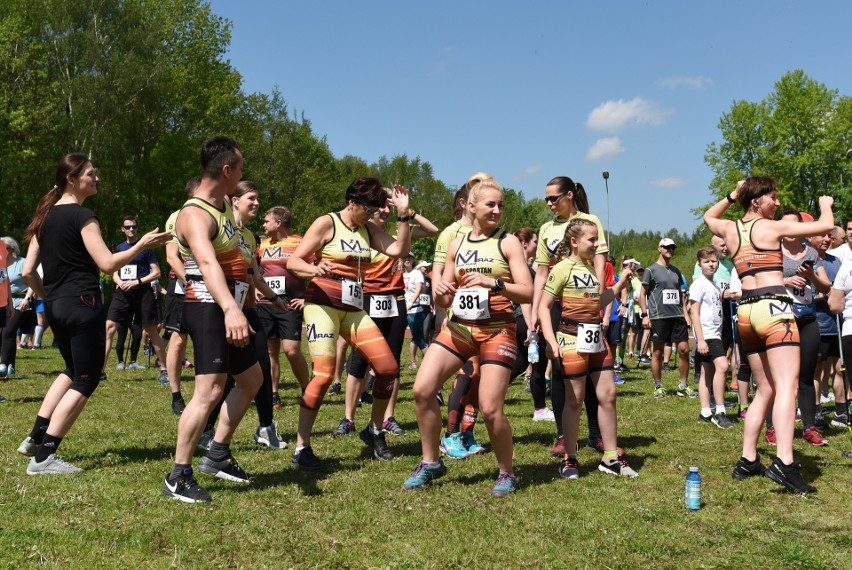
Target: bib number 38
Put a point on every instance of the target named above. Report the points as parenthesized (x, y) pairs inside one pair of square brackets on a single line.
[(589, 338)]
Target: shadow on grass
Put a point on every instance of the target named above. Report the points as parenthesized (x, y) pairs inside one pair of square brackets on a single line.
[(27, 399), (305, 480)]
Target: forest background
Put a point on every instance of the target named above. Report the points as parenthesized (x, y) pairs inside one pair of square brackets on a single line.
[(138, 84)]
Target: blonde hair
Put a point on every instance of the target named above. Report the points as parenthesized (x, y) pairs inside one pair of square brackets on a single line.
[(477, 189), (574, 230)]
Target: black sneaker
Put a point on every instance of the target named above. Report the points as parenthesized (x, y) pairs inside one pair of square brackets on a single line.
[(178, 406), (721, 421), (346, 427), (376, 441), (186, 488), (820, 422), (366, 398), (790, 476), (335, 389), (704, 419), (745, 469), (840, 420), (305, 460), (276, 400), (227, 469)]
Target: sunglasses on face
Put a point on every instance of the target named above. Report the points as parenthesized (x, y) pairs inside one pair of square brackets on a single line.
[(131, 227), (670, 247), (369, 210), (554, 199)]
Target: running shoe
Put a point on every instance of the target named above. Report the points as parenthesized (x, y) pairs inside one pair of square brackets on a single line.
[(620, 368), (527, 382), (120, 366), (10, 371), (684, 390), (185, 488), (840, 420), (103, 376), (819, 419), (227, 469), (392, 426), (790, 476), (4, 370), (270, 437), (148, 350), (558, 450), (505, 485), (187, 364), (377, 443), (598, 445), (721, 421), (424, 474), (28, 447), (135, 366), (826, 397), (413, 366), (745, 469), (659, 392), (743, 413), (470, 444), (335, 389), (618, 467), (440, 397), (705, 419), (53, 465), (206, 439), (644, 359), (366, 398), (569, 469), (345, 428), (276, 400), (2, 399), (156, 363), (164, 377), (305, 460), (666, 367), (618, 380), (178, 406), (544, 415), (814, 437), (453, 446), (769, 436), (23, 346), (734, 387)]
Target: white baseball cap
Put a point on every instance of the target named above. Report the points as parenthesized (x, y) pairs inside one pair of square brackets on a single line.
[(665, 242)]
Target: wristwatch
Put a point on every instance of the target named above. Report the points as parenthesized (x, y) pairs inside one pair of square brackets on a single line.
[(498, 286), (643, 315)]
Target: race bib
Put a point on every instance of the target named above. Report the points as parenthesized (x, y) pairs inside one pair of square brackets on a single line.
[(2, 275), (671, 297), (383, 306), (352, 294), (277, 284), (128, 273), (471, 304), (803, 296), (179, 290), (589, 338), (424, 300), (241, 289)]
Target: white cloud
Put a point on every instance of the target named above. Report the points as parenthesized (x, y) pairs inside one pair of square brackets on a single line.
[(532, 170), (615, 115), (693, 82), (668, 182), (604, 148)]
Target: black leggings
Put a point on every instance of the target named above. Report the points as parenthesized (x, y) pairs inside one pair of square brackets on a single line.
[(23, 321), (121, 338), (79, 327), (808, 352)]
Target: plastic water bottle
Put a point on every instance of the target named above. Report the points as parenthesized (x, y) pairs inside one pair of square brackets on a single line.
[(693, 489), (532, 349)]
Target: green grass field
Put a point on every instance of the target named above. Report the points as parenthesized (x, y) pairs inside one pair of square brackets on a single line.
[(356, 515)]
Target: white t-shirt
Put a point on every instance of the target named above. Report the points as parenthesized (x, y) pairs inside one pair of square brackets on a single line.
[(709, 296), (843, 282), (411, 280), (842, 252)]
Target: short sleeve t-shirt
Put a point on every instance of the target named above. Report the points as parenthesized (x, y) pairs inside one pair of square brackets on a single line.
[(69, 270), (709, 296), (665, 289), (803, 299), (552, 233), (411, 280), (825, 318), (142, 261), (843, 282)]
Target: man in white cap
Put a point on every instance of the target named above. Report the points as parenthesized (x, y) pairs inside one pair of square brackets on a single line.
[(663, 311), (414, 288)]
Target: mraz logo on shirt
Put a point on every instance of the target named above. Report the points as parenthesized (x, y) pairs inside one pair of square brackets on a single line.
[(272, 253), (313, 335), (352, 246), (779, 308), (552, 245), (245, 246), (585, 281), (229, 228), (471, 257)]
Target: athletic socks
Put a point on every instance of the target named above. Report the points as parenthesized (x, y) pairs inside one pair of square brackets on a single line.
[(39, 429), (720, 408), (706, 413), (39, 332), (177, 470), (610, 456), (218, 451), (48, 447), (841, 408)]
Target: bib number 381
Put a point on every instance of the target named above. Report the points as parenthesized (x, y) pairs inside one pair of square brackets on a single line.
[(471, 304), (589, 338)]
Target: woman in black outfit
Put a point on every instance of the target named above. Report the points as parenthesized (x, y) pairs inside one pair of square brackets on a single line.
[(66, 239)]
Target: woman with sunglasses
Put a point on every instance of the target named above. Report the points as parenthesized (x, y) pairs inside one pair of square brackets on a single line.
[(567, 200), (765, 320), (485, 272), (334, 305)]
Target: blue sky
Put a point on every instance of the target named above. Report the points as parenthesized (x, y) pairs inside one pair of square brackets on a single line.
[(532, 90)]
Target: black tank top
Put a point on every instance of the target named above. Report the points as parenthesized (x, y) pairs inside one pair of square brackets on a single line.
[(69, 270)]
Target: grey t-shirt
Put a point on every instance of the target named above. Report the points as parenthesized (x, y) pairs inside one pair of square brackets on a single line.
[(803, 299), (666, 287)]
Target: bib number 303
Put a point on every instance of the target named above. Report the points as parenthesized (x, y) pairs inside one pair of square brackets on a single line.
[(383, 306)]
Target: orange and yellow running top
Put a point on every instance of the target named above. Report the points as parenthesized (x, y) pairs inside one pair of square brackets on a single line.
[(483, 256), (576, 286), (274, 255), (349, 252), (749, 259), (226, 243)]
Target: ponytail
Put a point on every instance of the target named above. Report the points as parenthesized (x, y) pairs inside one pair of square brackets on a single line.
[(565, 184), (70, 165)]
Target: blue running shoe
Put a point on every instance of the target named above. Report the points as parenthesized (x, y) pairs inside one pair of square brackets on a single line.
[(618, 380), (453, 446), (505, 484), (424, 474), (470, 444)]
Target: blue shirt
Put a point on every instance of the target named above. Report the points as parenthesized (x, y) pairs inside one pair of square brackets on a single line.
[(825, 318), (142, 261)]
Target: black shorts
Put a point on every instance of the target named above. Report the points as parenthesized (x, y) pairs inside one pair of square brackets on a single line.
[(717, 350), (173, 316), (613, 333), (829, 347), (284, 325), (205, 324), (667, 331), (78, 327), (138, 303)]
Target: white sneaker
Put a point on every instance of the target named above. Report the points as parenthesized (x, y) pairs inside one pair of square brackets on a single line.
[(826, 397), (120, 366), (270, 437), (53, 465), (544, 415), (28, 447), (136, 366)]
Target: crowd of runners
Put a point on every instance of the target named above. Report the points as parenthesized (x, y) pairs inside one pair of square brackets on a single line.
[(551, 306)]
